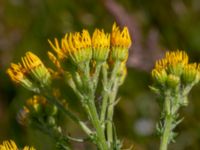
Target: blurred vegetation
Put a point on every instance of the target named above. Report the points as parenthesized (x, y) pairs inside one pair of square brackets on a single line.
[(27, 24)]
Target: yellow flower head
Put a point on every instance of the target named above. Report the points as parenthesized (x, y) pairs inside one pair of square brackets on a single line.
[(100, 39), (120, 43), (120, 38), (100, 45), (31, 61), (10, 145), (173, 62), (36, 68), (16, 72), (78, 46), (191, 73), (31, 66)]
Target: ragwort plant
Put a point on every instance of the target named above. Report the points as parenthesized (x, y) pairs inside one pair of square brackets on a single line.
[(83, 62), (79, 59), (174, 78)]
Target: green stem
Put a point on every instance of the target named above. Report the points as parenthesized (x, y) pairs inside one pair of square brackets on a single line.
[(68, 113), (90, 98), (166, 134), (96, 75), (104, 93), (112, 97), (101, 141)]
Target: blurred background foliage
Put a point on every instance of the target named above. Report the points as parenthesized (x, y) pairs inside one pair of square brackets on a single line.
[(155, 26)]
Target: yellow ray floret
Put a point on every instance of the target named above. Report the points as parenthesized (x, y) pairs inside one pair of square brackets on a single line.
[(10, 145), (172, 58), (100, 39), (60, 50), (120, 38), (31, 61), (16, 72)]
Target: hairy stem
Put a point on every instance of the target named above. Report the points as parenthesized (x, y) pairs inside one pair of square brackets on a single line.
[(165, 139)]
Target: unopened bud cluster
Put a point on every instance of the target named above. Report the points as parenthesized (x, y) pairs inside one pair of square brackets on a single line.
[(175, 70), (173, 78), (38, 111)]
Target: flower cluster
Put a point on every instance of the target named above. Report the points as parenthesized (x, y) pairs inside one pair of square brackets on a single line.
[(30, 73), (174, 69), (81, 47), (81, 61), (173, 78), (37, 108), (10, 145)]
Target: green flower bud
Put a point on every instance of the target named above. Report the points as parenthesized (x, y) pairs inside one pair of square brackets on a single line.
[(51, 110), (172, 81), (175, 69), (160, 76), (190, 74)]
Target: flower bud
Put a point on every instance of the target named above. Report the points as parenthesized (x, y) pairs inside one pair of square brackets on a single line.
[(160, 76), (51, 110), (190, 73), (51, 121), (36, 104), (172, 81)]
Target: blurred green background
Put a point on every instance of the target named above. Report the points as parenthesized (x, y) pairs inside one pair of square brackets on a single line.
[(155, 26)]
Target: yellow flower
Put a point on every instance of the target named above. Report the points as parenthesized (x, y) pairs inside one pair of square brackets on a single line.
[(10, 145), (120, 38), (173, 62), (175, 68), (101, 45), (79, 46), (29, 72), (159, 76), (120, 43), (16, 72), (190, 73), (18, 75), (36, 68), (75, 46)]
